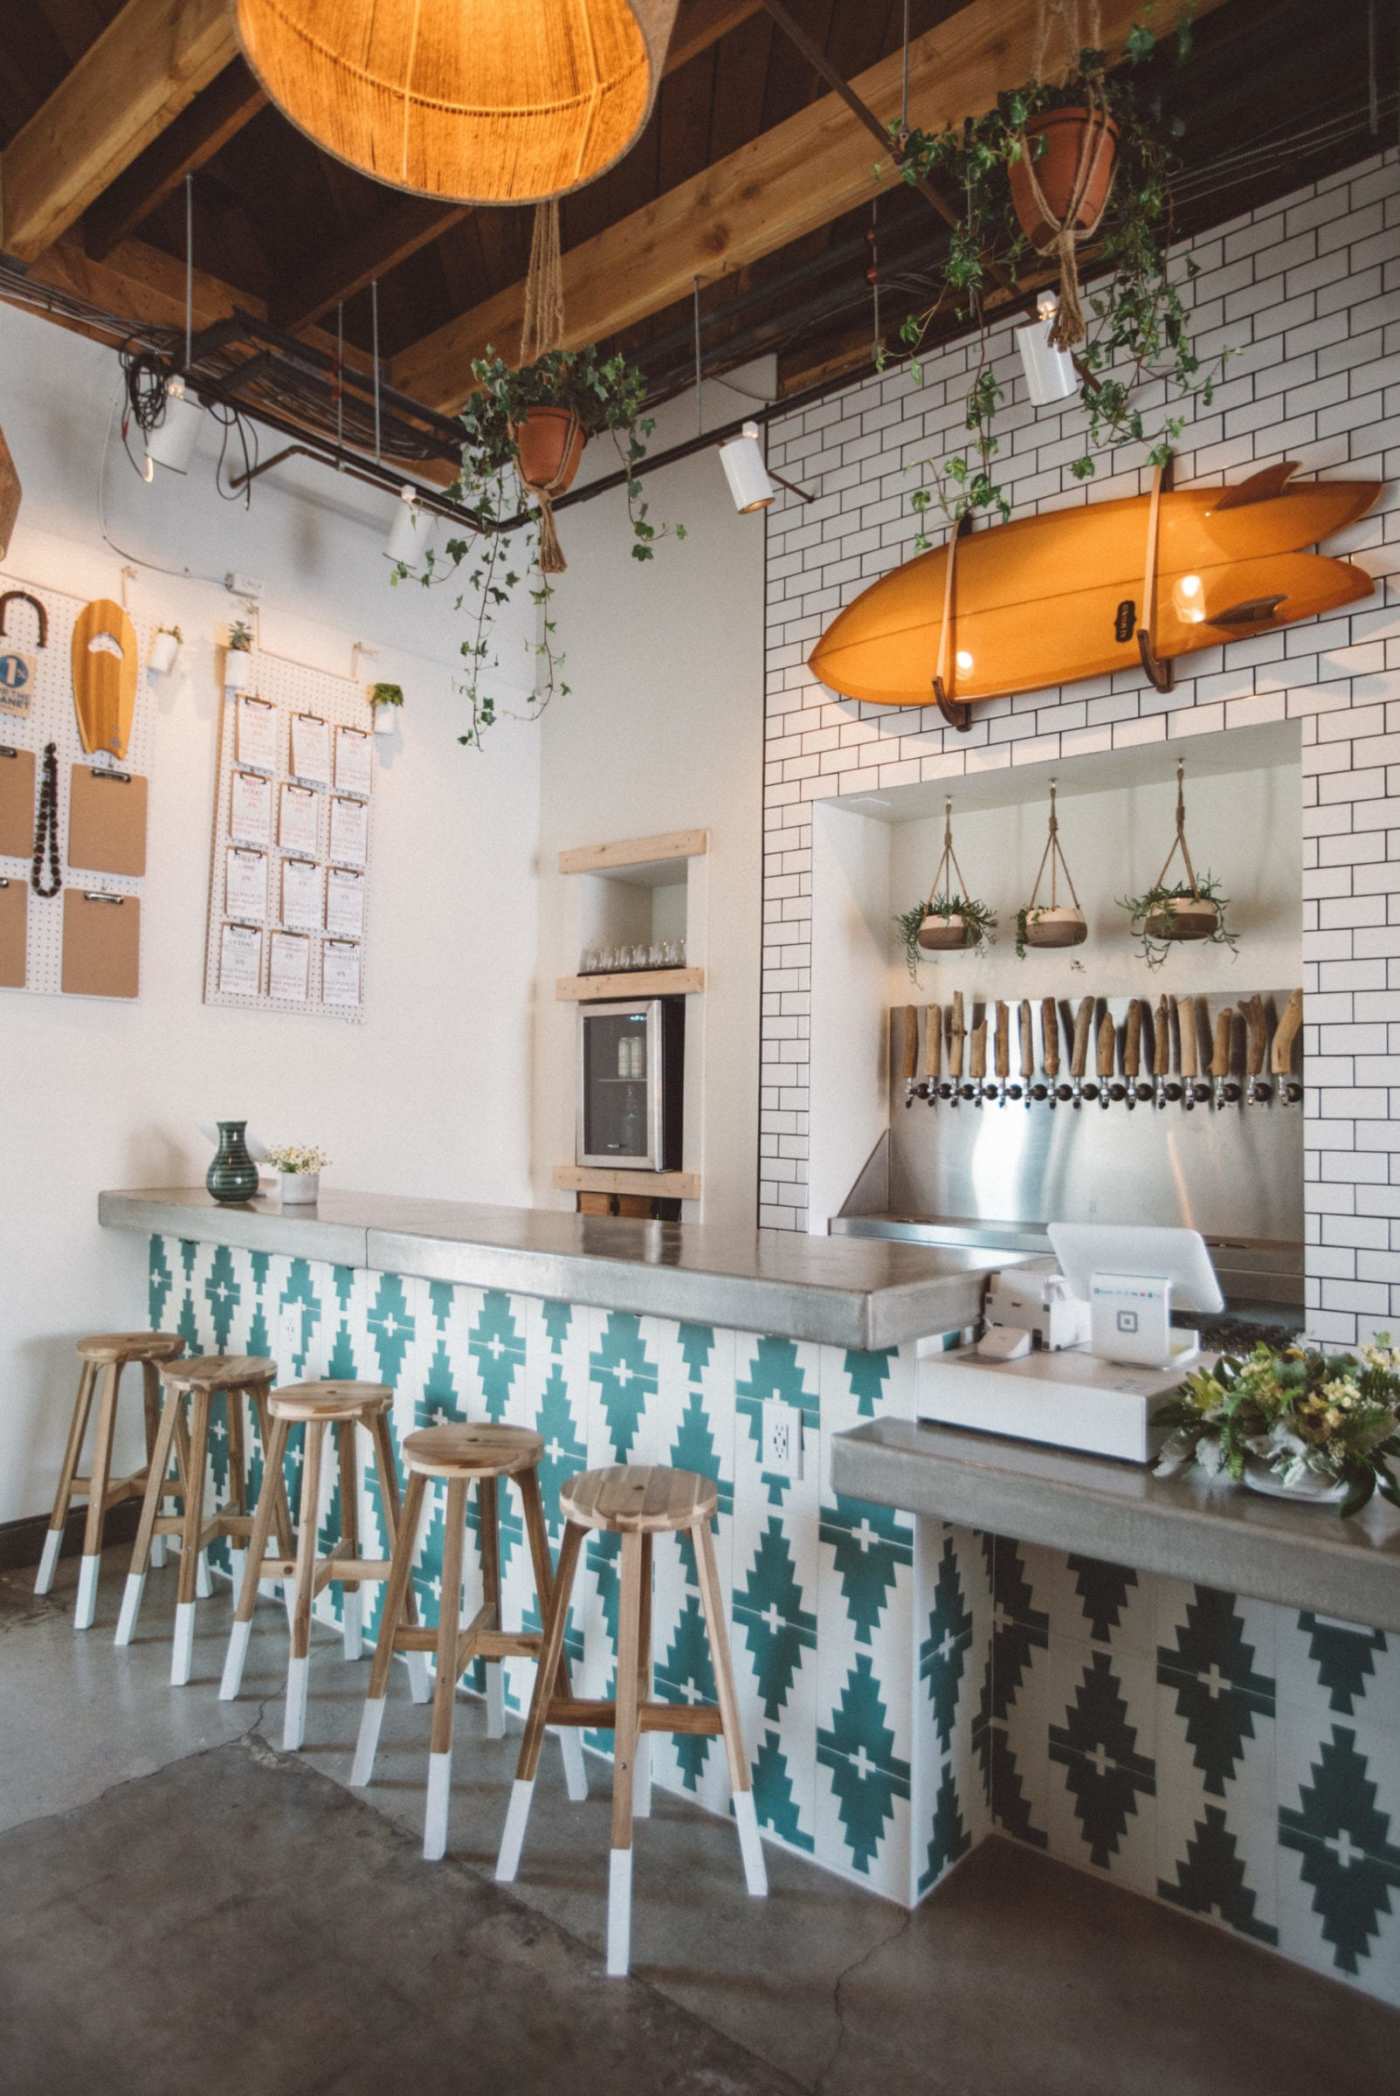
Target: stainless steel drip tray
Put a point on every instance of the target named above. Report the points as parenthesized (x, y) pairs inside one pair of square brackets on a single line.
[(1252, 1271)]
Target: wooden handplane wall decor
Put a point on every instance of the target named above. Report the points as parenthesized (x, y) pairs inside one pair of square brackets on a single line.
[(1082, 592)]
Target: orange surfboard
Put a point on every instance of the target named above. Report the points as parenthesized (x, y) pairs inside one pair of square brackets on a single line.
[(1049, 599), (104, 668)]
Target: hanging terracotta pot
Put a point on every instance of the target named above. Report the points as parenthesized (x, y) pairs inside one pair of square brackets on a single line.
[(1068, 135), (946, 934), (1182, 917), (1054, 928), (548, 447)]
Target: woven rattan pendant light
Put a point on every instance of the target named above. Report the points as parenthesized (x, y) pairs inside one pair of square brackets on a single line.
[(479, 101)]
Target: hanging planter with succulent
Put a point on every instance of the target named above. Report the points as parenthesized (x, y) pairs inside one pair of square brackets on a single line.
[(1173, 912), (1082, 152), (1052, 923), (385, 700), (949, 920), (527, 425), (238, 657)]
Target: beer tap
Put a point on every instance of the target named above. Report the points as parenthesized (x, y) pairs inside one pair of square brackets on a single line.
[(1193, 1092), (1107, 1043), (1050, 1052), (1222, 1061), (909, 1050), (1028, 1086), (1256, 1021), (1001, 1091), (1132, 1053), (1079, 1053), (977, 1090), (956, 1034), (1163, 1089), (1290, 1091), (933, 1054)]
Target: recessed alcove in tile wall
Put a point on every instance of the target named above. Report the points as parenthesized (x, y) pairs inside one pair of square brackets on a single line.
[(1310, 309)]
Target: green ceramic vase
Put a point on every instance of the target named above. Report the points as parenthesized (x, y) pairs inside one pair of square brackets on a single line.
[(233, 1176)]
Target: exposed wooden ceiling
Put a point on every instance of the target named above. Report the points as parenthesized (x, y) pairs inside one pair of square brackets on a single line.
[(751, 176)]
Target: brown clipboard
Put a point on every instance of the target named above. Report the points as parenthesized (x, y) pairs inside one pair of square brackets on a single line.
[(14, 928), (16, 802), (106, 821), (101, 944)]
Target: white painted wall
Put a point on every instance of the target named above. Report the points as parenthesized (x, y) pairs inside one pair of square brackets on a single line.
[(663, 730), (432, 1094)]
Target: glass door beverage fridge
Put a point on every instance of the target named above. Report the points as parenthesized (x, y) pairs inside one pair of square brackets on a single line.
[(630, 1064)]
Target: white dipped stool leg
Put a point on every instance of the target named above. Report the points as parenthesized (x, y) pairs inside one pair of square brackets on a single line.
[(495, 1701), (53, 1543), (575, 1774), (420, 1686), (294, 1720), (86, 1607), (158, 1553), (641, 1777), (238, 1559), (367, 1745), (182, 1651), (351, 1621), (522, 1792), (750, 1846), (619, 1913), (203, 1577), (234, 1659), (131, 1608), (435, 1815)]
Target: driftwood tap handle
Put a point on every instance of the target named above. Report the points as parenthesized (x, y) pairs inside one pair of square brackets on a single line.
[(1132, 1039), (1285, 1034), (1003, 1040), (933, 1040), (979, 1047), (1256, 1020), (1188, 1038), (909, 1042), (956, 1034), (1083, 1020), (1027, 1040), (1162, 1039), (1108, 1041), (1224, 1031), (1050, 1036)]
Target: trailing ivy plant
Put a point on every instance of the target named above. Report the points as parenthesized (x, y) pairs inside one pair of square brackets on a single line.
[(607, 393), (1141, 908), (980, 923), (1137, 324)]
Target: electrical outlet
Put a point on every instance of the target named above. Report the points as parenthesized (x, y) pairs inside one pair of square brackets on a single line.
[(782, 1438), (289, 1335)]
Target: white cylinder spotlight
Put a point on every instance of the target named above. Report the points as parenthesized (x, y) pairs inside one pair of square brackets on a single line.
[(172, 441), (742, 457), (1050, 372), (410, 531)]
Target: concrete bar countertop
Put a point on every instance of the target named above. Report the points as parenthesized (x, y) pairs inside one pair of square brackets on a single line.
[(851, 1292), (1184, 1526)]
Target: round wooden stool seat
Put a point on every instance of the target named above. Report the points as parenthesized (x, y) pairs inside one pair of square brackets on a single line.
[(472, 1451), (218, 1372), (638, 1499), (130, 1346), (330, 1400)]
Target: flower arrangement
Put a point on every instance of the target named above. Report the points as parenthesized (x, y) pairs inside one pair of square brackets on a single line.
[(292, 1159), (1311, 1419)]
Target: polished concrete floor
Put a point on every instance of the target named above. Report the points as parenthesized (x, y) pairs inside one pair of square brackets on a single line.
[(182, 1907)]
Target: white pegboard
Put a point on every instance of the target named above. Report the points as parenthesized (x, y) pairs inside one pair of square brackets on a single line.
[(51, 718), (292, 688)]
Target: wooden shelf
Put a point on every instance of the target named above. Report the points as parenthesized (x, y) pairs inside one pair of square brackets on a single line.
[(635, 982), (673, 1186), (635, 851)]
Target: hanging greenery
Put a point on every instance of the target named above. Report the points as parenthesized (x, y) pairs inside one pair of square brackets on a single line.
[(601, 394), (1172, 912), (1055, 164), (948, 921)]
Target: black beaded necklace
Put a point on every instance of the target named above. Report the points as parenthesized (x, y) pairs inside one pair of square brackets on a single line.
[(46, 830)]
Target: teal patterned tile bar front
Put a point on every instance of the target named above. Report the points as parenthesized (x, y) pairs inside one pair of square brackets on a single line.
[(906, 1686)]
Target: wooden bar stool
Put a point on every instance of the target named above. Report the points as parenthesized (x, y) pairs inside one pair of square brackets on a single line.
[(103, 1357), (460, 1457), (338, 1408), (635, 1502), (198, 1380)]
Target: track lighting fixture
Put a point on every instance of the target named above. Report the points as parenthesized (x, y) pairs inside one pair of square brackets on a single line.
[(1050, 372)]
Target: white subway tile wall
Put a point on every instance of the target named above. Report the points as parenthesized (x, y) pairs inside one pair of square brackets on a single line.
[(1306, 294)]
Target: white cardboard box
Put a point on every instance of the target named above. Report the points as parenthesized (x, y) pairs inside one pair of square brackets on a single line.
[(1069, 1399)]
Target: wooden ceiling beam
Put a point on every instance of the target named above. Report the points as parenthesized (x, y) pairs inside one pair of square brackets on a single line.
[(786, 183), (146, 67), (197, 134), (409, 223)]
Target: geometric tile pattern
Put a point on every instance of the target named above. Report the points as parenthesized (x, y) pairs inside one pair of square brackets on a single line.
[(904, 1685)]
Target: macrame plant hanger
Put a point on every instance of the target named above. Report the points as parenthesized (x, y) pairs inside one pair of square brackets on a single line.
[(542, 329), (1068, 236), (1053, 856), (947, 867), (1179, 843)]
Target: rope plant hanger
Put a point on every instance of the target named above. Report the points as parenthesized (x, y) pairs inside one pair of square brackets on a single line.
[(1052, 923), (1174, 910), (473, 101), (952, 918), (1082, 184)]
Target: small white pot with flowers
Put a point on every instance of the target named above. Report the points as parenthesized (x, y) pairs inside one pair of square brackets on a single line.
[(165, 649), (298, 1167), (1293, 1422)]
